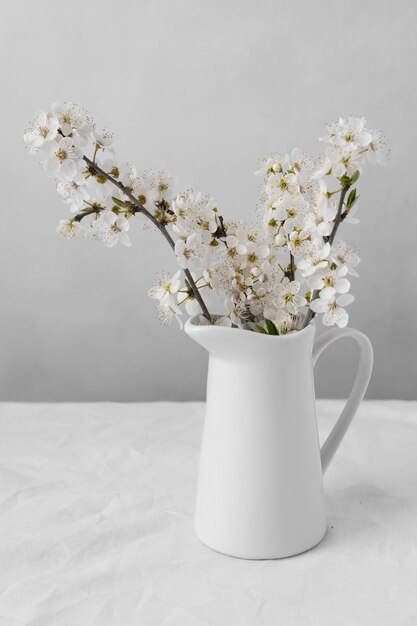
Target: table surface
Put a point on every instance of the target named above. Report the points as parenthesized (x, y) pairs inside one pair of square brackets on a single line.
[(96, 524)]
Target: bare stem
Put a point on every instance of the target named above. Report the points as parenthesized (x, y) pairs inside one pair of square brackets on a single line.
[(338, 217), (310, 314), (292, 267), (84, 213), (139, 208)]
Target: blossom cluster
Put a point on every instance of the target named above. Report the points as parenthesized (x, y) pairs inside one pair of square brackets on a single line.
[(270, 276)]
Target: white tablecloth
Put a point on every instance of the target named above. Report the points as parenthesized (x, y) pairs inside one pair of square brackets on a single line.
[(96, 524)]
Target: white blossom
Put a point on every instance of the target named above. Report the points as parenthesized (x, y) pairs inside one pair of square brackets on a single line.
[(350, 133), (378, 151), (164, 292), (167, 310), (314, 260), (72, 122), (344, 162), (319, 221), (287, 296), (299, 242), (45, 129), (271, 163), (109, 229), (323, 168), (333, 309), (330, 280), (299, 161), (166, 286), (294, 211), (68, 229), (280, 239), (62, 159), (282, 185), (144, 189), (343, 253), (283, 321), (104, 138), (73, 194)]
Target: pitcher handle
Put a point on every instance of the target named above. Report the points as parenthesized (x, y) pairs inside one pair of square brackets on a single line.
[(358, 389)]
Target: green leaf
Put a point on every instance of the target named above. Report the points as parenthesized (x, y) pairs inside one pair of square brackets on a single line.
[(347, 181), (261, 330), (271, 328), (118, 202), (344, 181), (351, 199), (354, 177)]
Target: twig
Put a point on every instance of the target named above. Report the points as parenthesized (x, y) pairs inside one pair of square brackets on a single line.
[(338, 218), (292, 267), (139, 208)]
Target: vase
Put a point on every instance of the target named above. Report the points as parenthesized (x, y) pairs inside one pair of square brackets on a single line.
[(260, 486)]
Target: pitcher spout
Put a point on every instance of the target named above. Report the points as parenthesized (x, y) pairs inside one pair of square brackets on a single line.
[(208, 336), (223, 341)]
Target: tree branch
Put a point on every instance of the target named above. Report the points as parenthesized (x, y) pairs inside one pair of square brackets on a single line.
[(139, 208)]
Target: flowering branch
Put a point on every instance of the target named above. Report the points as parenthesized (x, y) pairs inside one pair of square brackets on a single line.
[(245, 264), (139, 208)]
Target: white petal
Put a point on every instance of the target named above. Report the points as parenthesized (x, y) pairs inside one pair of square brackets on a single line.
[(124, 239), (156, 292), (52, 166), (325, 251), (315, 282), (68, 169), (342, 285), (345, 299), (192, 307), (328, 319), (341, 318), (319, 305), (327, 293)]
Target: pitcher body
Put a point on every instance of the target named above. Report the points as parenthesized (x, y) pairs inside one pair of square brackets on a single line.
[(260, 486)]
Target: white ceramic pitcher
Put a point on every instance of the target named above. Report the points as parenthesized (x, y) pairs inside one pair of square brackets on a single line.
[(260, 487)]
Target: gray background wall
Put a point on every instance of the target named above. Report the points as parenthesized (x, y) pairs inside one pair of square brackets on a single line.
[(203, 89)]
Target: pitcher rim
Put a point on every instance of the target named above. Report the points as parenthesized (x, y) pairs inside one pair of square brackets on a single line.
[(192, 325)]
